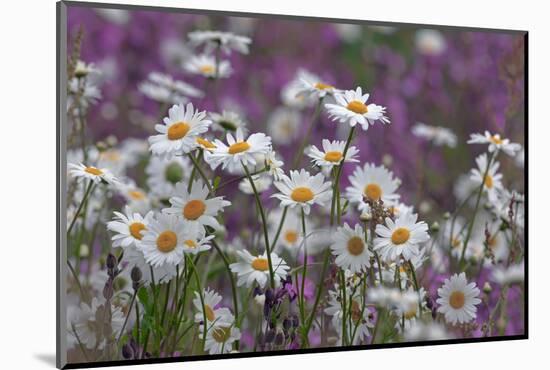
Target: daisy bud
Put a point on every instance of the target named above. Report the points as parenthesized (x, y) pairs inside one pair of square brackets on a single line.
[(101, 146), (108, 289), (446, 215), (136, 274), (127, 352), (435, 227), (111, 261), (279, 339), (111, 140), (387, 160), (84, 250), (487, 288)]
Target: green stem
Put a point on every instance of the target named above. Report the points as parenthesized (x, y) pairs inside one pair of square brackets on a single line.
[(204, 319), (338, 174), (201, 172), (91, 185), (127, 316), (281, 223), (416, 286), (264, 225)]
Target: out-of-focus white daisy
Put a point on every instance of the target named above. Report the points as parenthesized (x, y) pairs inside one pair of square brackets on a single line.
[(401, 237), (520, 158), (161, 274), (238, 151), (408, 309), (82, 69), (458, 299), (400, 208), (374, 183), (205, 144), (89, 329), (283, 125), (81, 171), (136, 199), (179, 132), (312, 85), (492, 181), (163, 240), (164, 173), (119, 17), (350, 248), (517, 201), (196, 240), (384, 296), (165, 89), (303, 190), (81, 93), (496, 143), (128, 227), (420, 331), (436, 134), (291, 97), (228, 120), (430, 42), (220, 338), (196, 207), (351, 108), (227, 41), (252, 268), (509, 275), (348, 32), (214, 315), (205, 65), (291, 235), (332, 153), (359, 323), (262, 183)]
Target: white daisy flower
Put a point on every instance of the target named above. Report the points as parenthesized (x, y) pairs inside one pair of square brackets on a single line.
[(220, 339), (283, 125), (458, 299), (180, 130), (401, 237), (373, 183), (128, 228), (430, 42), (275, 165), (214, 315), (80, 171), (332, 153), (312, 85), (83, 69), (164, 173), (408, 309), (350, 248), (492, 183), (195, 207), (205, 144), (196, 240), (351, 107), (82, 93), (238, 151), (359, 319), (252, 269), (438, 135), (136, 198), (161, 274), (227, 41), (291, 97), (205, 65), (420, 331), (496, 143), (262, 183), (228, 120), (303, 190), (163, 241), (291, 235)]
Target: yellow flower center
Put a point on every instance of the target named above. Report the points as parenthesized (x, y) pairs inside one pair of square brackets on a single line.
[(492, 242), (260, 264), (167, 241), (411, 313), (301, 194), (110, 155), (94, 171), (400, 236), (357, 107), (136, 195), (291, 236), (194, 209), (322, 86), (455, 242), (190, 243), (209, 313), (205, 143), (239, 147), (178, 130), (373, 192), (135, 230), (356, 246), (496, 139), (207, 69), (456, 300), (221, 334), (333, 156), (488, 181)]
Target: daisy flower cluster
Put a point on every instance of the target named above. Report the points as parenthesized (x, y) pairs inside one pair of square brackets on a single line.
[(212, 232)]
